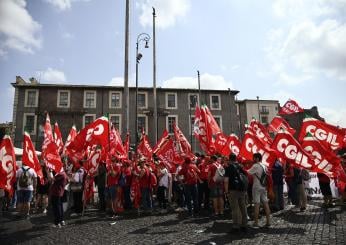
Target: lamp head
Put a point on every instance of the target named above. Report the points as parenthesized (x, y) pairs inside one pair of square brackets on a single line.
[(139, 57), (146, 44)]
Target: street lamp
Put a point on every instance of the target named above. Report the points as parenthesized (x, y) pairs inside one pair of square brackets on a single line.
[(258, 109), (193, 103), (143, 37)]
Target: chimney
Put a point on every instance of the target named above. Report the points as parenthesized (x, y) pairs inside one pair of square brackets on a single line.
[(20, 80), (33, 80)]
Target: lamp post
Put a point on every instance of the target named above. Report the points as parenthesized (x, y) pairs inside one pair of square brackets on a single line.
[(154, 78), (142, 37), (258, 109), (192, 103)]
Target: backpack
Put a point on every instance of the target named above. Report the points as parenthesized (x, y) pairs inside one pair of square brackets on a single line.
[(25, 179), (264, 177), (242, 180), (305, 174), (219, 174)]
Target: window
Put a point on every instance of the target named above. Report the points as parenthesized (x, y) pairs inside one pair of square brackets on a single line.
[(264, 119), (215, 102), (88, 118), (31, 98), (218, 120), (170, 120), (116, 120), (89, 99), (193, 101), (171, 100), (264, 109), (142, 100), (114, 99), (29, 123), (142, 123), (63, 98)]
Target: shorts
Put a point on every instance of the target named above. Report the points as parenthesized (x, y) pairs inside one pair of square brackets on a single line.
[(112, 190), (216, 191), (24, 196), (259, 196)]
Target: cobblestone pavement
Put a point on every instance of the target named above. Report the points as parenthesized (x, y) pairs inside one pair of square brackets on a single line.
[(314, 226)]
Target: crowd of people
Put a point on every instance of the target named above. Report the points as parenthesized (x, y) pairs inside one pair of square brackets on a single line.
[(201, 184)]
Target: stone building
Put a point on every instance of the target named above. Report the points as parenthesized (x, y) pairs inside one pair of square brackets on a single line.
[(80, 104), (264, 110)]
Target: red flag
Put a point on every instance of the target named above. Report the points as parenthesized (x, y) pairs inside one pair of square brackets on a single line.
[(127, 144), (92, 162), (166, 153), (251, 144), (50, 149), (144, 147), (48, 134), (330, 136), (164, 137), (233, 145), (203, 130), (70, 137), (214, 127), (279, 123), (29, 157), (57, 138), (116, 145), (290, 107), (289, 149), (325, 160), (7, 165), (261, 132), (96, 133), (220, 142), (185, 147)]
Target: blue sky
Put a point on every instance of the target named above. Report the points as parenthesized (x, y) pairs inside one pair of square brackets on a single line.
[(276, 49)]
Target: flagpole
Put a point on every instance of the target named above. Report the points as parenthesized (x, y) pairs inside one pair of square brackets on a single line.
[(199, 87)]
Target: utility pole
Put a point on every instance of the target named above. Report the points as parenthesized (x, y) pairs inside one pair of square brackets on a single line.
[(126, 68), (154, 79), (199, 88)]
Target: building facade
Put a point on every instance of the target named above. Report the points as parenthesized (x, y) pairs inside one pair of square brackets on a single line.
[(81, 104), (263, 110)]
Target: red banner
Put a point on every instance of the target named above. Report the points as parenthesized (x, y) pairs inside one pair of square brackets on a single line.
[(279, 123), (184, 145), (70, 137), (328, 135), (57, 138), (220, 142), (7, 165), (290, 107), (289, 149), (261, 132), (251, 145), (29, 157), (233, 145), (144, 147), (325, 160), (203, 131)]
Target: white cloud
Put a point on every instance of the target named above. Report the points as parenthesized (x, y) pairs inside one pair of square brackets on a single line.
[(18, 30), (282, 96), (52, 76), (60, 4), (63, 5), (67, 35), (167, 12), (334, 116), (208, 81), (312, 44)]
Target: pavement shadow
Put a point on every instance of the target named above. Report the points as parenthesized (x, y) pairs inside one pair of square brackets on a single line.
[(224, 236)]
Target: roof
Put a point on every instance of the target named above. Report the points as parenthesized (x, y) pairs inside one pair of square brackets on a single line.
[(248, 100), (65, 86)]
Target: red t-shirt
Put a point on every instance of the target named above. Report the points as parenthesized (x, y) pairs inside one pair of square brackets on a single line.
[(128, 174), (203, 168), (212, 170), (144, 181), (113, 180), (190, 173)]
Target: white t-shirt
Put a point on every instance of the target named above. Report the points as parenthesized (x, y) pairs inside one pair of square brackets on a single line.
[(78, 176), (164, 178), (256, 171), (32, 175)]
